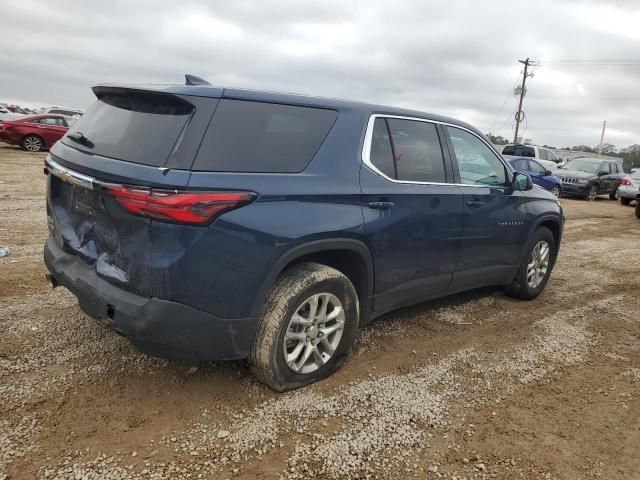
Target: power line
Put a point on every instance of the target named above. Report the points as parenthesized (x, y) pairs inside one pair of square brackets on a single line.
[(509, 94)]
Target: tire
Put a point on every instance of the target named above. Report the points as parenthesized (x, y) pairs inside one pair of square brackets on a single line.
[(638, 208), (520, 287), (556, 191), (291, 294), (32, 143), (625, 201), (592, 194)]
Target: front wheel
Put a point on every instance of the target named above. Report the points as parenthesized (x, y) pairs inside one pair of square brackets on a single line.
[(533, 273), (556, 191), (305, 333), (32, 143), (592, 193)]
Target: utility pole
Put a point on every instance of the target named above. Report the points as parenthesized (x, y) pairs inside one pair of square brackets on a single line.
[(604, 125), (519, 115)]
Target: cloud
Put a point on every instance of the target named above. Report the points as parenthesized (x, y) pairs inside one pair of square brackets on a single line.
[(458, 58)]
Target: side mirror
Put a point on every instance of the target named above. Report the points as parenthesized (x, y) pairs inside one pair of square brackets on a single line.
[(548, 172), (522, 181), (600, 174)]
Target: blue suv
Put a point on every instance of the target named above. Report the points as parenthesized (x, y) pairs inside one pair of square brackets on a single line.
[(210, 223)]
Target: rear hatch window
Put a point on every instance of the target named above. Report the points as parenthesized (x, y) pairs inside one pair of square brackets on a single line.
[(139, 127), (519, 151), (246, 136)]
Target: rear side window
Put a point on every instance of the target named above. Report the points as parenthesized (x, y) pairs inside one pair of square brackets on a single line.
[(519, 151), (407, 150), (263, 137), (520, 164), (133, 126)]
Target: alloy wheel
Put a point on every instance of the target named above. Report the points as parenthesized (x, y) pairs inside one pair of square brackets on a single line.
[(538, 264), (593, 193), (32, 144), (313, 333), (556, 191)]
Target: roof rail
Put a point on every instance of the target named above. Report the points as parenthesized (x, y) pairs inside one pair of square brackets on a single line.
[(193, 80)]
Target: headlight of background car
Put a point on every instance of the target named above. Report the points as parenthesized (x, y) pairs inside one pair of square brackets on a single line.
[(582, 181)]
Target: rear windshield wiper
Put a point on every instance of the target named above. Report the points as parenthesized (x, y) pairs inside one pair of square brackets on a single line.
[(79, 137)]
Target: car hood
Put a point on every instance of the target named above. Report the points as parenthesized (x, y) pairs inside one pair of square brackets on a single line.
[(574, 174)]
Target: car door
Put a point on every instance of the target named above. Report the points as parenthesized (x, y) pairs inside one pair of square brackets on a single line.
[(53, 129), (538, 174), (494, 214), (607, 178), (412, 210)]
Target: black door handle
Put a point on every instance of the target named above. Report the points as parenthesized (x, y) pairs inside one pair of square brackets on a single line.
[(380, 205), (475, 203)]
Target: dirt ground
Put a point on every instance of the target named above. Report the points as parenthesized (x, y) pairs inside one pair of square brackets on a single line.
[(472, 386)]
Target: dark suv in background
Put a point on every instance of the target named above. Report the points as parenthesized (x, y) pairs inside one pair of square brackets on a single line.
[(589, 177), (211, 223)]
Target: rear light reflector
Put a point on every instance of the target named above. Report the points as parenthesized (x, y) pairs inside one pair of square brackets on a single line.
[(196, 208), (625, 181)]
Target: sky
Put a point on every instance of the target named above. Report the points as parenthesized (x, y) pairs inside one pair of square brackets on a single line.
[(457, 58)]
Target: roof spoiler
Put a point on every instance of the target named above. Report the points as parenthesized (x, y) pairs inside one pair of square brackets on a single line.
[(193, 80)]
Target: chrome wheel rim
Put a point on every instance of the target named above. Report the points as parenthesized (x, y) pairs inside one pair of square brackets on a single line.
[(538, 264), (593, 193), (313, 333), (32, 144), (556, 191)]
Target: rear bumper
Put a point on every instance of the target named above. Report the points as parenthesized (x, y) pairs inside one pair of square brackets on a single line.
[(158, 327), (626, 192)]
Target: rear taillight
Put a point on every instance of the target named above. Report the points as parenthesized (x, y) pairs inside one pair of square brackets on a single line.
[(196, 208), (625, 181)]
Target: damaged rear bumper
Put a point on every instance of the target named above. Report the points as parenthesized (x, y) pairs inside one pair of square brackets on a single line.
[(157, 327)]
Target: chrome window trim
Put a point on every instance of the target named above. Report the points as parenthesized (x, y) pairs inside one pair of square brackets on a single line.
[(366, 150)]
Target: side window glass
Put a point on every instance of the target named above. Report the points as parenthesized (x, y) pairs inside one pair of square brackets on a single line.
[(551, 156), (520, 164), (542, 153), (478, 164), (381, 154), (417, 151), (536, 167), (606, 168)]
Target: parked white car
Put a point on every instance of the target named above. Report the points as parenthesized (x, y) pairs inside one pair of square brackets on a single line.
[(544, 156), (6, 114), (67, 112), (629, 187)]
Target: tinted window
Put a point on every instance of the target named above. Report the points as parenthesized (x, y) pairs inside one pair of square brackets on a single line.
[(536, 167), (417, 151), (381, 154), (133, 126), (519, 151), (263, 137), (478, 164), (520, 164)]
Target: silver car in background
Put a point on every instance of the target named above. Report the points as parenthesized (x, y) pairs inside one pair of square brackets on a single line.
[(629, 188)]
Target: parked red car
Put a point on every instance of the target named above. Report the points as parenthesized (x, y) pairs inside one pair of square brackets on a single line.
[(35, 133)]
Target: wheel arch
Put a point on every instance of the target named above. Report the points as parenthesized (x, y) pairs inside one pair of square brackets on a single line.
[(350, 256), (554, 224)]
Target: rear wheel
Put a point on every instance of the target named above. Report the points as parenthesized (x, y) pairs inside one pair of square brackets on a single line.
[(305, 333), (533, 273), (32, 143), (592, 193), (625, 201)]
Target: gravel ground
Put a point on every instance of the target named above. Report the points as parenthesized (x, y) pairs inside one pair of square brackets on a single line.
[(469, 387)]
